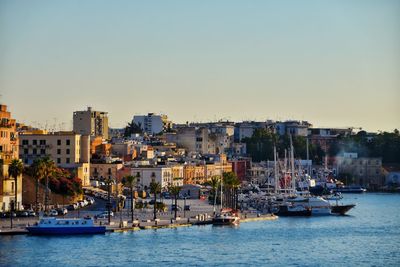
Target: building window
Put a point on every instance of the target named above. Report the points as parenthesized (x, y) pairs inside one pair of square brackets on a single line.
[(58, 151), (25, 142), (26, 151), (67, 151), (109, 170), (34, 142), (34, 152), (59, 142), (68, 142), (67, 160), (42, 142), (42, 151), (26, 161), (58, 160)]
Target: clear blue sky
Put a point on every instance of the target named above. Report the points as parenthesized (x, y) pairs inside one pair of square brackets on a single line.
[(334, 63)]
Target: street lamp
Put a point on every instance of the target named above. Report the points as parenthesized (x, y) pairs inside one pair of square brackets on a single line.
[(184, 207)]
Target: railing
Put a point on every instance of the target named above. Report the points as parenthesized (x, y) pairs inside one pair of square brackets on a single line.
[(5, 125)]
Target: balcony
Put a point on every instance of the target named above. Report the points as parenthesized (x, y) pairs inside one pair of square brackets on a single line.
[(6, 125)]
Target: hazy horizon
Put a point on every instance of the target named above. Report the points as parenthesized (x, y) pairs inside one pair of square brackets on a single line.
[(332, 63)]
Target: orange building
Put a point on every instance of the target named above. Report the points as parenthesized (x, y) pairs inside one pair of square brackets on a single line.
[(8, 151)]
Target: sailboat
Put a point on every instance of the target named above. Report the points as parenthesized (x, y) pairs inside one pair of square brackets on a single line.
[(226, 216)]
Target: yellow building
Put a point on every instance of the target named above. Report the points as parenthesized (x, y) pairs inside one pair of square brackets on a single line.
[(67, 149), (90, 122), (8, 152), (202, 173)]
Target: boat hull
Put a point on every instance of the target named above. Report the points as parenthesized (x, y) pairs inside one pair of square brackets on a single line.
[(285, 212), (342, 209), (349, 190), (321, 211), (66, 230)]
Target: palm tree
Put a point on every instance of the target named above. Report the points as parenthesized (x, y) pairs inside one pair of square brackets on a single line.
[(15, 170), (214, 182), (48, 166), (174, 190), (130, 181), (155, 188), (37, 171), (231, 183)]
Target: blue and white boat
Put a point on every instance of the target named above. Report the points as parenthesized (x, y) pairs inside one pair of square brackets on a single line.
[(54, 226)]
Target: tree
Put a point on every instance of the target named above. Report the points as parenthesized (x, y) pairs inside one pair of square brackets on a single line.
[(130, 182), (155, 188), (174, 190), (231, 184), (36, 171), (48, 167), (215, 182), (132, 128), (15, 170)]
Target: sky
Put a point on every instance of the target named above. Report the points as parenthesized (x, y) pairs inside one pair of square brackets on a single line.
[(332, 63)]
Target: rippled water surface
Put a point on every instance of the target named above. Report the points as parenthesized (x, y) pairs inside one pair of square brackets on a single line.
[(369, 236)]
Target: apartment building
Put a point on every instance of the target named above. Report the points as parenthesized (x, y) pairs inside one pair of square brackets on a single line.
[(90, 122), (364, 171), (8, 152), (152, 123), (160, 174), (67, 149)]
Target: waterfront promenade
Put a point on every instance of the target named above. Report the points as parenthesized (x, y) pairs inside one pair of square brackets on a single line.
[(201, 213)]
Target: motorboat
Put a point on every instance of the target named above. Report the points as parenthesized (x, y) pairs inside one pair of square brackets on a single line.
[(350, 189), (341, 209), (318, 205), (293, 210), (226, 217), (55, 226)]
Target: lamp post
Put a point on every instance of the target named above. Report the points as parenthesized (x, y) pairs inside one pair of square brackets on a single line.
[(11, 212), (108, 204), (184, 207)]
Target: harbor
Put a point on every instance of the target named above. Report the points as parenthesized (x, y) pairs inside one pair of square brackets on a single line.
[(367, 236)]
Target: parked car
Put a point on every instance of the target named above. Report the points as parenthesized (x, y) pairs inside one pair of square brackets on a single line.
[(22, 214), (62, 211), (31, 213), (173, 208), (53, 213), (90, 200), (71, 207), (104, 215), (8, 214)]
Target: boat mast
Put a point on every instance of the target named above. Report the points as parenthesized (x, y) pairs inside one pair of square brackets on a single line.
[(308, 158), (285, 171), (292, 165), (222, 178), (276, 172)]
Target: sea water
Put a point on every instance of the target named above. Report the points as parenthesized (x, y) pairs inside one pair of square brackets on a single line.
[(368, 236)]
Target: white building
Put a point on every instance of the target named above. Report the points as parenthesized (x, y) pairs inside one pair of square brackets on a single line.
[(151, 123), (162, 175)]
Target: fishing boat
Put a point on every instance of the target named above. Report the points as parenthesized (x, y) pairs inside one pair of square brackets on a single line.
[(226, 217), (55, 226)]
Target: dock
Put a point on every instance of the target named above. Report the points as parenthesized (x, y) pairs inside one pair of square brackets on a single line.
[(14, 231)]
